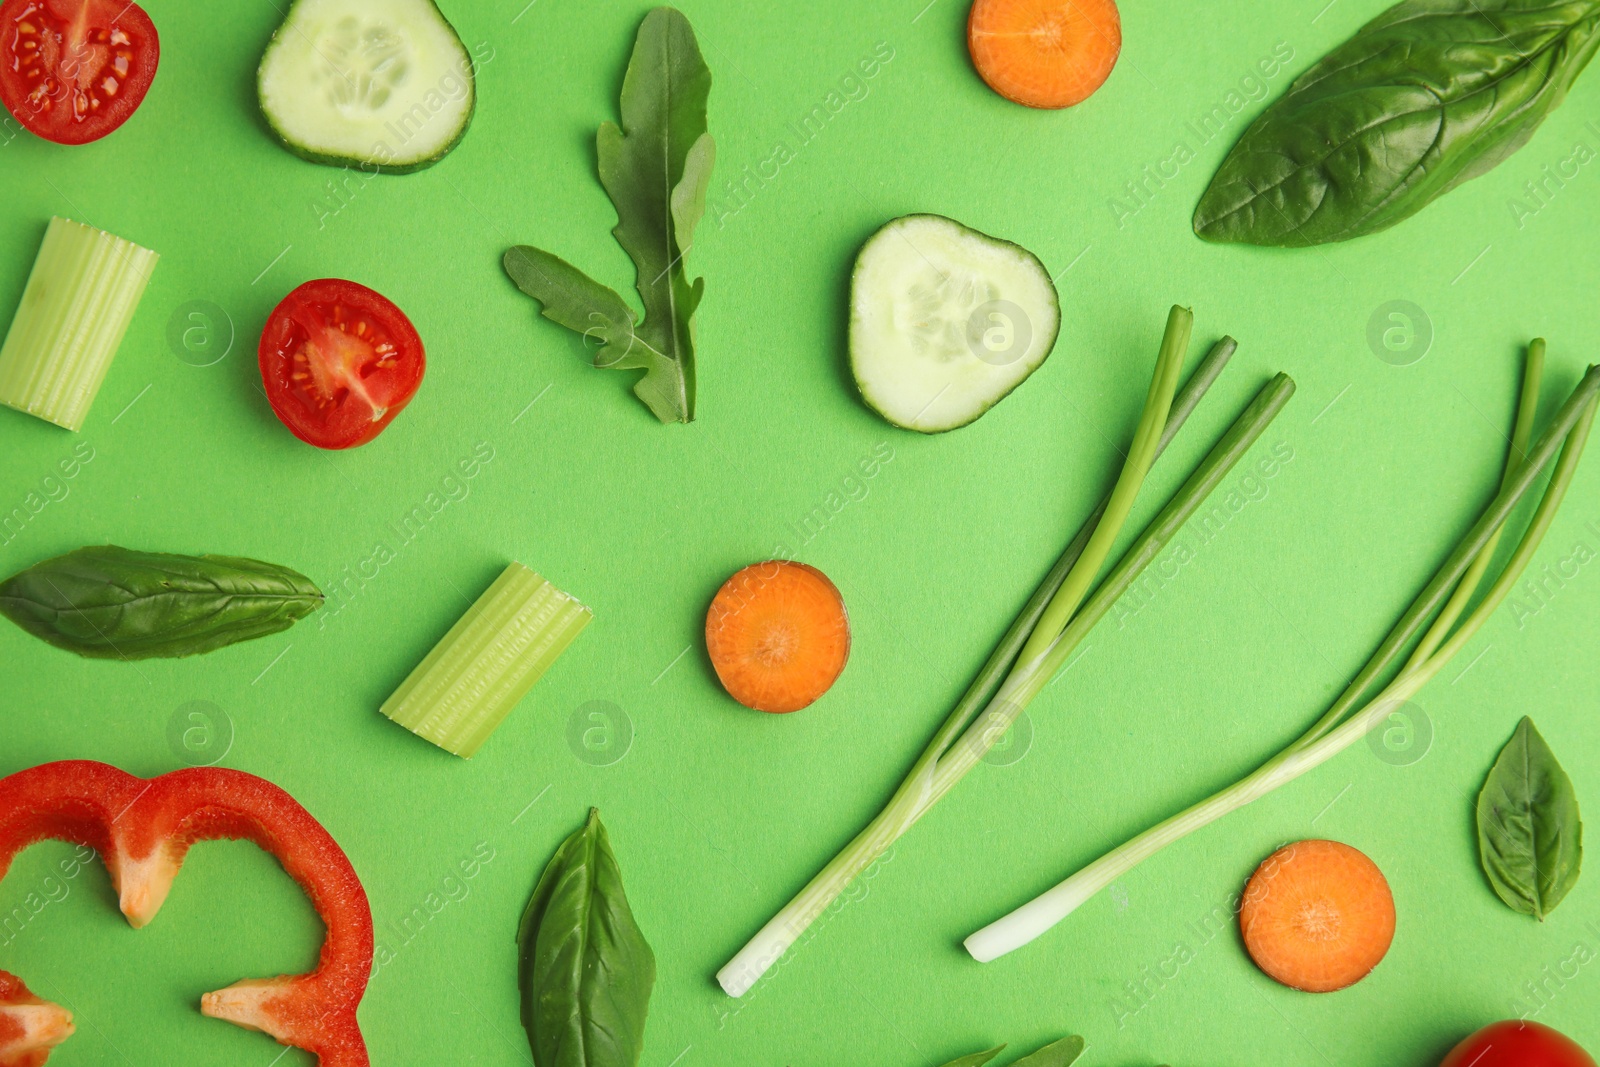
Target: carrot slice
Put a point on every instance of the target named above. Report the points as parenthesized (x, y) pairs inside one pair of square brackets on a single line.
[(1044, 53), (1317, 916), (778, 635)]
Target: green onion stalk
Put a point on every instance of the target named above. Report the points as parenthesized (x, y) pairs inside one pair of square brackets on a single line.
[(1052, 624), (1444, 601)]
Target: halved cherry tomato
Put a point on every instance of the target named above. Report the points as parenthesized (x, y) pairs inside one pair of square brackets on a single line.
[(339, 362), (1518, 1044), (74, 70)]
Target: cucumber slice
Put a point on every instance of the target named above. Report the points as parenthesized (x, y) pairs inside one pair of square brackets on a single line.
[(381, 84), (946, 321)]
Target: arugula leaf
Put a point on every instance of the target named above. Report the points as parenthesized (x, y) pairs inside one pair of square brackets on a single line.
[(582, 304), (1530, 838), (656, 167), (586, 969)]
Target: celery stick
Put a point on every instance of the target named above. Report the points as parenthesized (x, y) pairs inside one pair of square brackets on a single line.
[(468, 684), (79, 300)]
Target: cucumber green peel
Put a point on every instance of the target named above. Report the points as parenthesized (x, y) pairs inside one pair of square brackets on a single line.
[(383, 85), (946, 321), (1052, 624), (1443, 600)]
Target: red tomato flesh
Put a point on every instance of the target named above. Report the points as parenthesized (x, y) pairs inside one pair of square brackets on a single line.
[(72, 71), (1518, 1044), (339, 362)]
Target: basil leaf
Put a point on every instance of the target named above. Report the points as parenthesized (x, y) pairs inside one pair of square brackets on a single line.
[(977, 1059), (656, 167), (1057, 1054), (1530, 838), (113, 603), (1424, 97), (586, 970)]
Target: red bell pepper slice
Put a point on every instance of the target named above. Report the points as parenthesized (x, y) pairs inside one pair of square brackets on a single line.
[(142, 829), (29, 1027)]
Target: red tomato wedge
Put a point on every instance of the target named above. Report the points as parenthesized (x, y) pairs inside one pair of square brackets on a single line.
[(72, 71), (339, 362)]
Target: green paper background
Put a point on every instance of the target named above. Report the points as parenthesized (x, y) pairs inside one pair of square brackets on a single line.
[(718, 814)]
